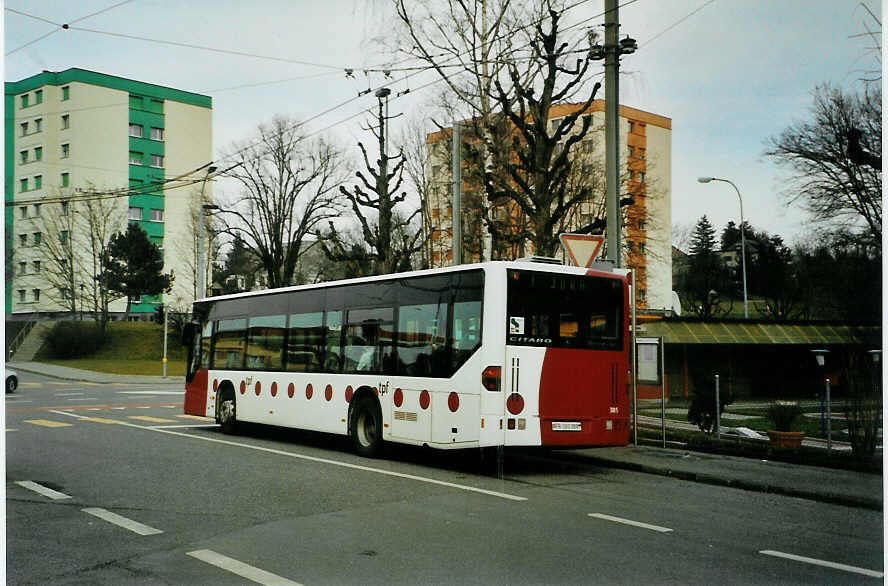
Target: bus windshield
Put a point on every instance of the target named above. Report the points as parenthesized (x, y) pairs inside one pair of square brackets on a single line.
[(564, 311)]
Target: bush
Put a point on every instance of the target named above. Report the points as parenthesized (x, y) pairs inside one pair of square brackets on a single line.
[(784, 414), (74, 339)]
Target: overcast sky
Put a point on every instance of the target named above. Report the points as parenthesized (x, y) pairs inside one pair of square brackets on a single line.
[(729, 73)]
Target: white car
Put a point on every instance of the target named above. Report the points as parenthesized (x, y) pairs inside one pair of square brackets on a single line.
[(12, 381)]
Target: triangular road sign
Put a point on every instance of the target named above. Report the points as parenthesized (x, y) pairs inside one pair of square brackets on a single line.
[(582, 249)]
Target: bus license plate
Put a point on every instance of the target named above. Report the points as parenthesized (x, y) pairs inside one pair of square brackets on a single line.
[(567, 426)]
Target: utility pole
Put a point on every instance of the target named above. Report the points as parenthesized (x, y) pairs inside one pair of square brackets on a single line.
[(612, 129), (382, 189), (456, 201), (610, 52)]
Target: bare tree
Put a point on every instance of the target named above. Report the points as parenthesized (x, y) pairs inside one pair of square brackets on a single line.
[(98, 220), (287, 187), (828, 178), (388, 243), (60, 263)]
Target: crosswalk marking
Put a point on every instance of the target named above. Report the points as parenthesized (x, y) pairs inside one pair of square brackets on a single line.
[(121, 521), (47, 423), (150, 419), (241, 569)]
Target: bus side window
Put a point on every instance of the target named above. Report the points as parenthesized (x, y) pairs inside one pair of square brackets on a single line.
[(205, 339), (422, 337), (305, 343), (265, 344), (333, 335), (466, 331), (228, 344)]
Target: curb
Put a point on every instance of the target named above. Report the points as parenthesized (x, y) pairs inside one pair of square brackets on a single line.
[(833, 499), (102, 378)]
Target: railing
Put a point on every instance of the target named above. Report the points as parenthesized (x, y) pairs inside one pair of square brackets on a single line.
[(19, 338)]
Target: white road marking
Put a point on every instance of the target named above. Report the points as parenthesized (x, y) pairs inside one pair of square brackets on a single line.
[(163, 429), (39, 488), (83, 399), (10, 400), (241, 569), (631, 522), (825, 564), (68, 394), (120, 521), (185, 426), (150, 392)]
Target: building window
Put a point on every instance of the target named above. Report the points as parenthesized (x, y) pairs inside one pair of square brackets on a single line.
[(135, 158), (157, 160), (156, 106), (24, 127), (23, 268), (36, 294), (135, 130), (38, 182), (38, 96), (38, 238), (64, 208), (642, 295), (66, 121), (66, 92), (23, 185), (63, 237), (135, 213), (23, 239), (642, 225), (24, 156), (157, 215), (135, 102), (38, 153), (642, 248), (66, 179), (21, 295), (38, 125), (66, 150), (24, 99), (156, 133), (23, 212), (36, 264), (37, 210)]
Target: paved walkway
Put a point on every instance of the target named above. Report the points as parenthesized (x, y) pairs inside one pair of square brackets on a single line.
[(856, 489)]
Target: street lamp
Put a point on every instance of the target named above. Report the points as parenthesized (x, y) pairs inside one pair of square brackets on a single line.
[(742, 238), (820, 357), (201, 262)]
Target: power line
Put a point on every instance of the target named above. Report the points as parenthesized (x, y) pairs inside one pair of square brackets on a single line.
[(676, 23), (56, 24)]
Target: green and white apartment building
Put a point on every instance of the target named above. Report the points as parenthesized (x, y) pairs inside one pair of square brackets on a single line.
[(133, 151)]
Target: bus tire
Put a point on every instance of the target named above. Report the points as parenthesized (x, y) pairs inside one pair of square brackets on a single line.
[(226, 411), (366, 427)]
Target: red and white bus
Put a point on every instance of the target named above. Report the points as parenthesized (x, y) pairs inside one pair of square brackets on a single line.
[(499, 353)]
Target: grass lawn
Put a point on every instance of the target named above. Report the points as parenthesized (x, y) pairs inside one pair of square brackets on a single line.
[(175, 368)]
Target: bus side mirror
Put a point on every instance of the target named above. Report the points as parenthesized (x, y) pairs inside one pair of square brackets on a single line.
[(188, 333)]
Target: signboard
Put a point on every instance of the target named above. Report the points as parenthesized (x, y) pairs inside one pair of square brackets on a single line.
[(581, 249), (648, 361)]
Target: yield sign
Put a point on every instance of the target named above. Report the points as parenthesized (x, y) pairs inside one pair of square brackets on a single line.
[(581, 248)]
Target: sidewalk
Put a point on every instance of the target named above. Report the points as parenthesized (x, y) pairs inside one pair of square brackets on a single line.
[(828, 485), (75, 374), (842, 487)]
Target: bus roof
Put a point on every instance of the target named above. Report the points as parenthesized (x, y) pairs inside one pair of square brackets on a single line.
[(511, 264)]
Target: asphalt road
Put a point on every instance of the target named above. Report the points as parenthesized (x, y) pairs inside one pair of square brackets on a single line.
[(140, 494)]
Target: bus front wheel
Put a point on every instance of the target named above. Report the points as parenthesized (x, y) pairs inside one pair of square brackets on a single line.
[(226, 412), (366, 428)]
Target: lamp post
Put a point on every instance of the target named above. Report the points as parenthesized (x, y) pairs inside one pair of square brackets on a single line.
[(742, 238), (201, 262), (820, 357)]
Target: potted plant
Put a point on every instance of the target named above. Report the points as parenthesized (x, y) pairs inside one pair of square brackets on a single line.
[(783, 414)]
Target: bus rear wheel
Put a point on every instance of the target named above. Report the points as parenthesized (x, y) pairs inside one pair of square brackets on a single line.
[(226, 413), (366, 428)]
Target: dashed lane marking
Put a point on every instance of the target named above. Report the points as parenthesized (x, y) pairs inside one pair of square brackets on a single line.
[(150, 419), (47, 423), (196, 417), (68, 394), (241, 569), (656, 528), (40, 489), (121, 521), (823, 563)]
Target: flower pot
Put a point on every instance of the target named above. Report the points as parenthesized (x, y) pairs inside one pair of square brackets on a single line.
[(786, 439)]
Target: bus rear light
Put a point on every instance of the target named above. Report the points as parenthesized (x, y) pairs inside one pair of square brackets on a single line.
[(490, 378), (453, 402), (515, 403)]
